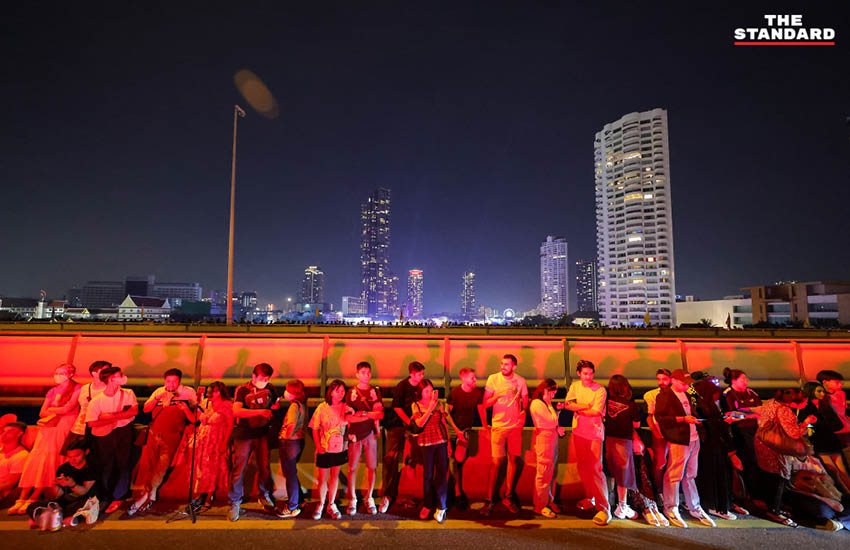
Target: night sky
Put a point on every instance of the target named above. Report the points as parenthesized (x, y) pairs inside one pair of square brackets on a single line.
[(480, 117)]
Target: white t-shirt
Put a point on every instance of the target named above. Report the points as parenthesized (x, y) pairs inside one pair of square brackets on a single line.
[(544, 416), (506, 411), (686, 404), (588, 427), (106, 404), (11, 466), (87, 394), (650, 397)]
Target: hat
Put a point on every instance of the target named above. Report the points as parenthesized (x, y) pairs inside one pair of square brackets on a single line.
[(682, 376)]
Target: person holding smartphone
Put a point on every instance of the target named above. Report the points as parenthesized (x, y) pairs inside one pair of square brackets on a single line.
[(433, 441)]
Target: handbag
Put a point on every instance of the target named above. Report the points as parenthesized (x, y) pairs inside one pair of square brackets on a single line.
[(774, 438)]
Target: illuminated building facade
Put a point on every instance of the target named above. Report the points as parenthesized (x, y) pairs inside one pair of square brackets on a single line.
[(586, 286), (554, 278), (313, 286), (634, 225), (468, 309), (414, 293), (375, 285)]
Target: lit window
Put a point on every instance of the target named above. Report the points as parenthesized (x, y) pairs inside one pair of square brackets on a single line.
[(647, 195), (634, 239)]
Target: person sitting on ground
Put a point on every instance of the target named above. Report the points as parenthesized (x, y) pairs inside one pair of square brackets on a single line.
[(833, 383), (13, 455), (171, 407), (74, 487)]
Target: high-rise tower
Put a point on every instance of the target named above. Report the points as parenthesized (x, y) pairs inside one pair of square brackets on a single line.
[(414, 293), (313, 286), (468, 309), (634, 227), (374, 252), (554, 281), (586, 285)]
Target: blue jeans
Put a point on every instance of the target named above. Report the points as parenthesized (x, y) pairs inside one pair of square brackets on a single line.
[(435, 480), (290, 454), (242, 450)]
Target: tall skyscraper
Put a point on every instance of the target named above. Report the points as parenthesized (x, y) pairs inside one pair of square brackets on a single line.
[(313, 286), (393, 300), (554, 278), (414, 293), (634, 224), (468, 309), (586, 287), (375, 285)]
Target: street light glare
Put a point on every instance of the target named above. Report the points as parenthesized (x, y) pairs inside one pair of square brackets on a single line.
[(258, 96)]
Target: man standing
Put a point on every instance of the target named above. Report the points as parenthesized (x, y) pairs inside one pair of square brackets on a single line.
[(586, 398), (171, 407), (659, 444), (507, 393), (833, 382), (463, 402), (252, 410), (364, 426), (110, 416), (681, 430), (404, 394)]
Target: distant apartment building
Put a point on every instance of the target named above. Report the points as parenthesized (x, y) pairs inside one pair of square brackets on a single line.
[(144, 308), (414, 293), (820, 303), (734, 309), (354, 306), (634, 225), (109, 294), (554, 277), (313, 285), (468, 309), (375, 284), (102, 294), (586, 285)]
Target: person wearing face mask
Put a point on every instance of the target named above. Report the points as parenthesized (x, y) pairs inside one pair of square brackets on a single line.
[(56, 418), (290, 447), (110, 416), (171, 406), (80, 431), (252, 409)]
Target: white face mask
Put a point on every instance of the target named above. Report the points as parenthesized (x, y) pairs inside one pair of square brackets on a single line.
[(261, 384), (59, 378)]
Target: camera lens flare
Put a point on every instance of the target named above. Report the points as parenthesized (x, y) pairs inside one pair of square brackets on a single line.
[(256, 93)]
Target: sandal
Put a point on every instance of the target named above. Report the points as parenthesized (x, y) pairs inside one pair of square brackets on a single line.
[(547, 512), (782, 519)]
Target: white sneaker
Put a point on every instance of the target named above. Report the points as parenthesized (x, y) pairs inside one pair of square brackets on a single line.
[(352, 507), (385, 505), (675, 518), (624, 511), (440, 516), (705, 519), (723, 515)]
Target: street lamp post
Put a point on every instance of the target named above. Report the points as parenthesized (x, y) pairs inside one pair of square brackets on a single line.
[(237, 112)]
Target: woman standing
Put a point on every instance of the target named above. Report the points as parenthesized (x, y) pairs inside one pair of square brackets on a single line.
[(56, 417), (717, 454), (291, 445), (622, 416), (329, 425), (826, 443), (211, 451), (776, 414), (546, 433), (433, 442)]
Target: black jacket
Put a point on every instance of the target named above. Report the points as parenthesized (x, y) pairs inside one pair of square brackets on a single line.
[(667, 408)]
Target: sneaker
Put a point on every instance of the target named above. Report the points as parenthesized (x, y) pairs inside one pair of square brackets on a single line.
[(424, 513), (510, 505), (440, 516), (234, 511), (547, 512), (333, 511), (285, 512), (586, 504), (265, 500), (831, 525), (602, 517), (352, 507), (487, 509), (624, 511), (740, 510), (317, 513), (370, 506), (113, 506), (136, 506), (89, 511), (675, 517), (385, 505), (723, 515), (705, 519)]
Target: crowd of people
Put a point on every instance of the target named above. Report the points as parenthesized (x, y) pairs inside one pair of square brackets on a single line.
[(727, 452)]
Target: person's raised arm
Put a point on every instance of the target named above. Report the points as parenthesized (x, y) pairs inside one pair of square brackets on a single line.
[(157, 396)]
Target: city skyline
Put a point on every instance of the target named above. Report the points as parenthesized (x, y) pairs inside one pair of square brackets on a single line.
[(479, 117)]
